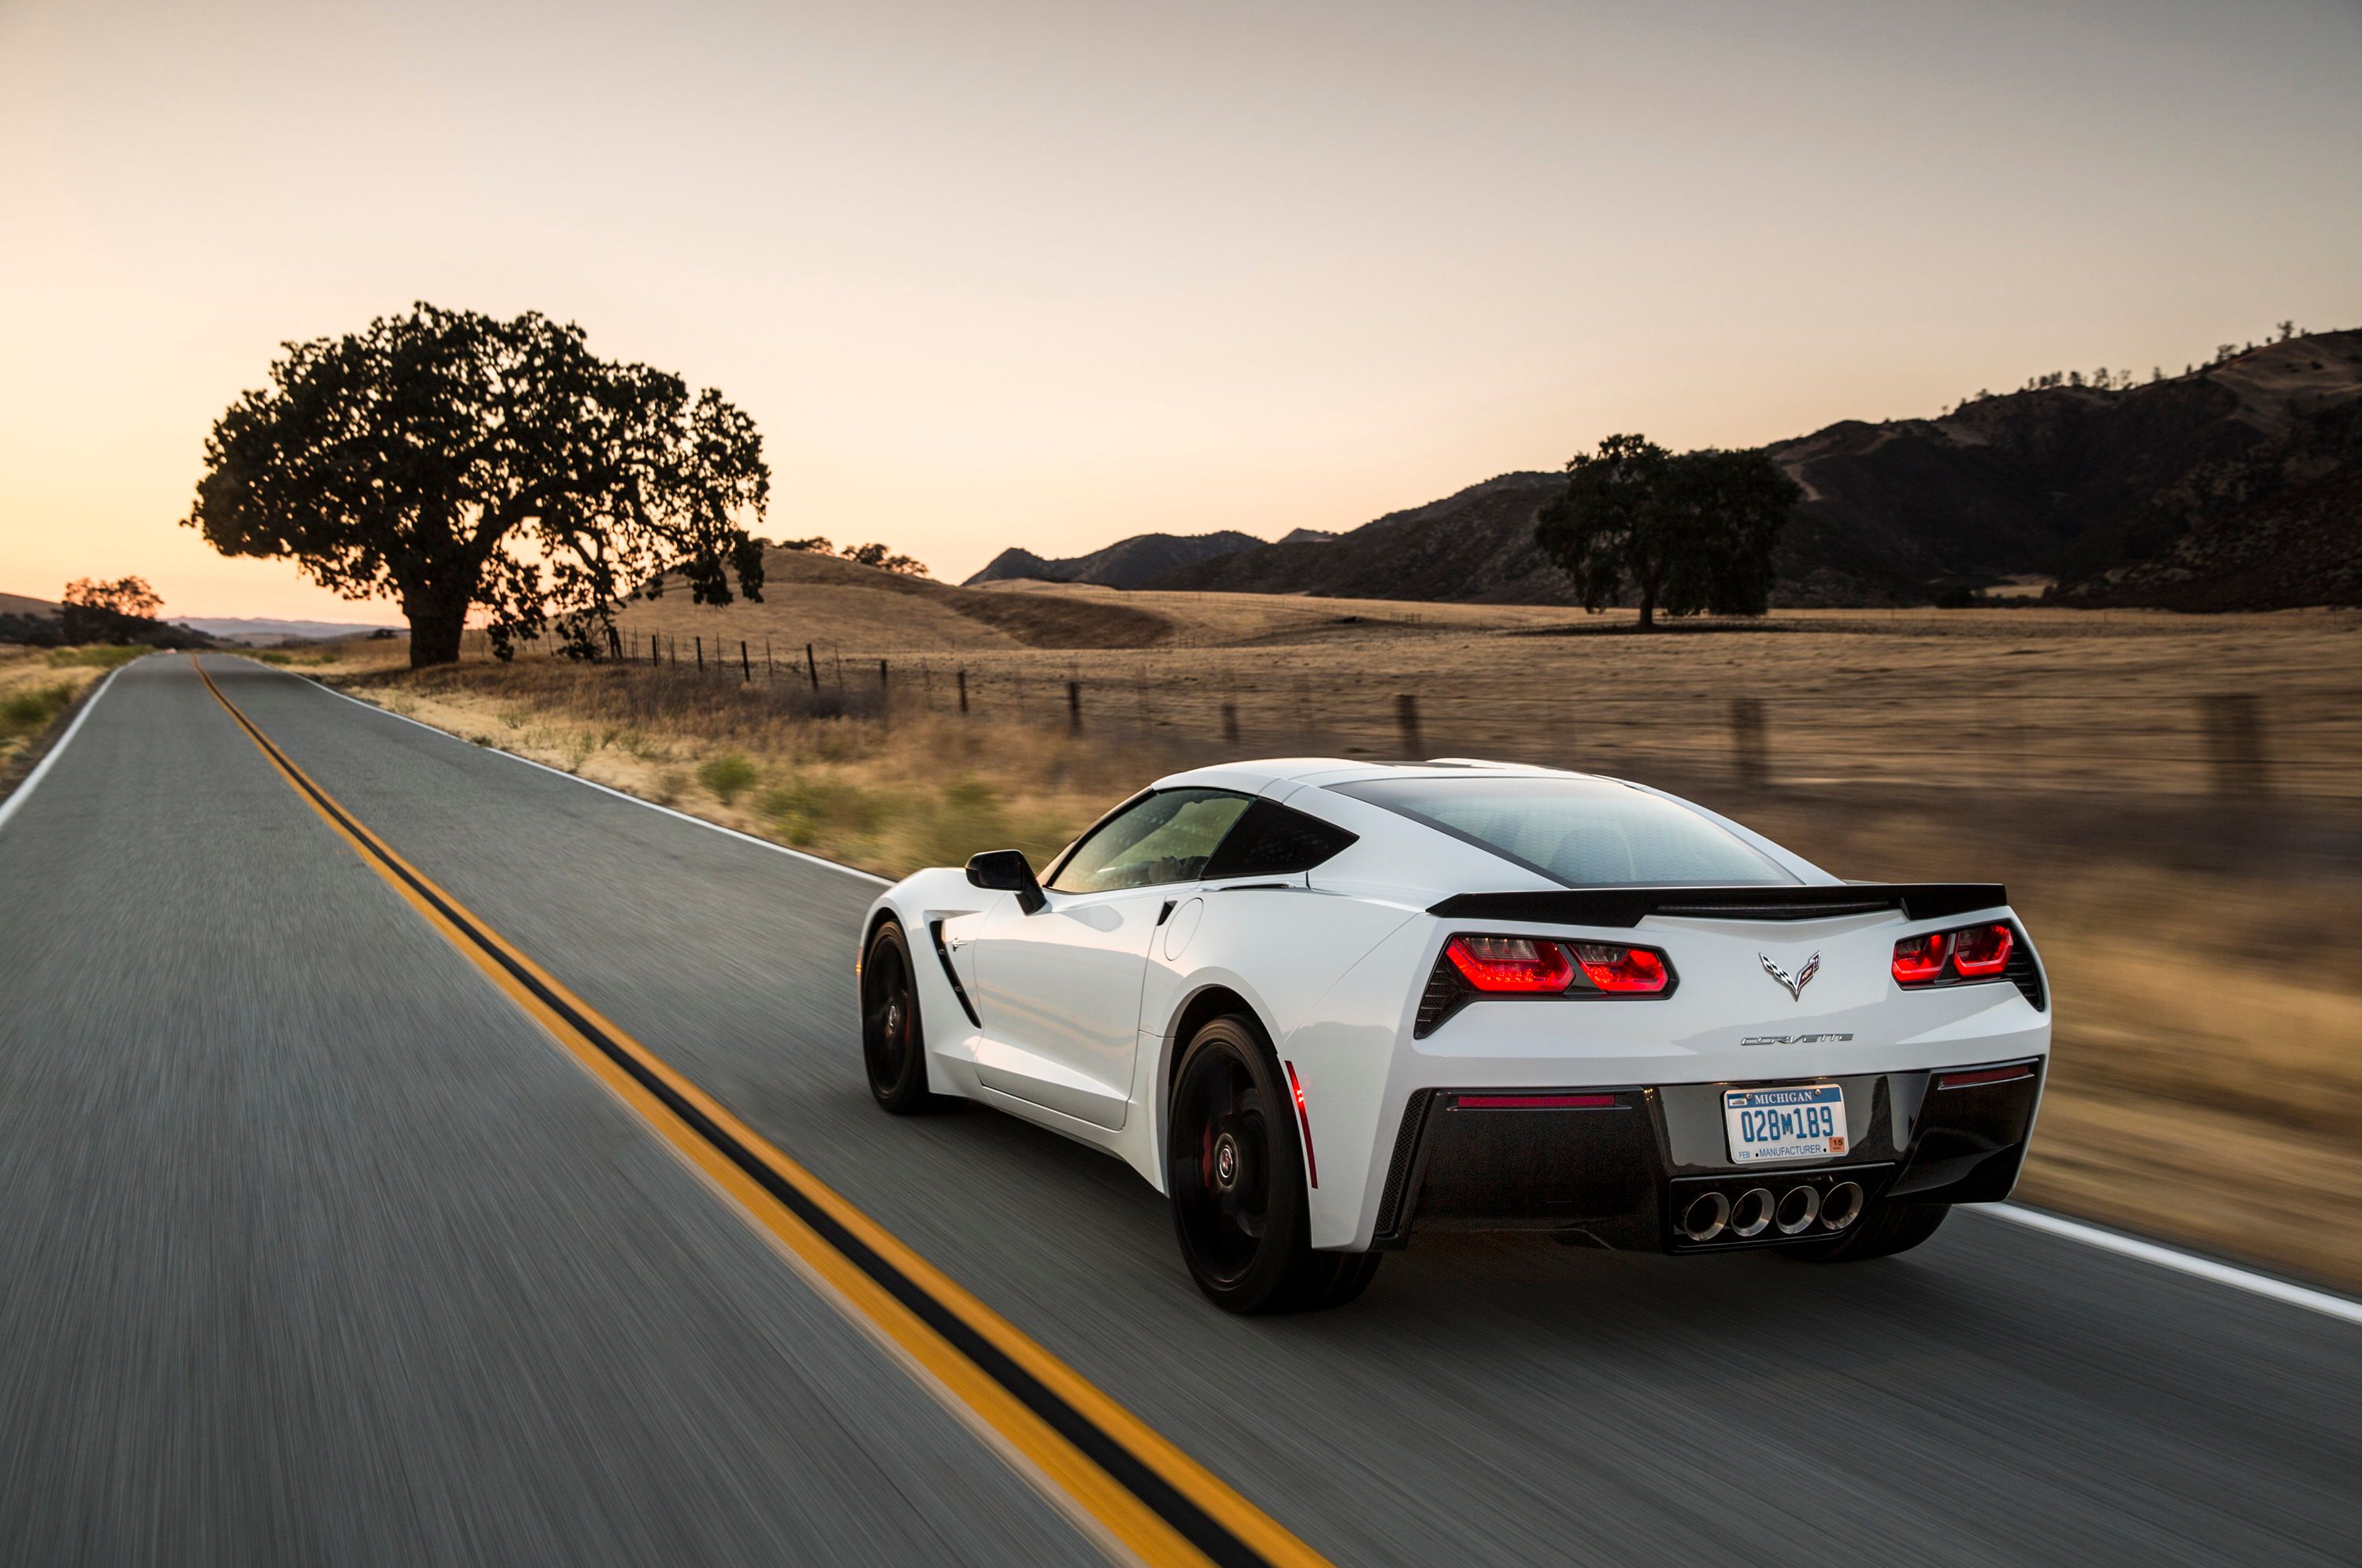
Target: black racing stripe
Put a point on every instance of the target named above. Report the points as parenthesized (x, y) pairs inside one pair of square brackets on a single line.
[(1203, 1532)]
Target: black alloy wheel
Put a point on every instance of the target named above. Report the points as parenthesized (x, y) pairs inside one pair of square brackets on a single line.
[(893, 1046), (1235, 1172)]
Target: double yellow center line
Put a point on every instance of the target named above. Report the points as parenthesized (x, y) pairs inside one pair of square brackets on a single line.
[(1141, 1494)]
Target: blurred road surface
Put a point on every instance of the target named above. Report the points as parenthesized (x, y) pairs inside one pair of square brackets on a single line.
[(314, 1248)]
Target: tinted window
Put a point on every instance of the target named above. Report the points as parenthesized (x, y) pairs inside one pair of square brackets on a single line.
[(1166, 838), (1586, 832), (1273, 841)]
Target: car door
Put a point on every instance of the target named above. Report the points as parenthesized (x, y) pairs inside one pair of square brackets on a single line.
[(1058, 989)]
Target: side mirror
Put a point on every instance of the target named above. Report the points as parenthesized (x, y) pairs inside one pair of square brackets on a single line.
[(1007, 871)]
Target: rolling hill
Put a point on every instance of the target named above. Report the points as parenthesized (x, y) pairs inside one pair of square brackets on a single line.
[(1128, 563), (810, 598)]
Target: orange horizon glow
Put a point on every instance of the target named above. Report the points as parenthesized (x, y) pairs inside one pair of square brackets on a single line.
[(1053, 275)]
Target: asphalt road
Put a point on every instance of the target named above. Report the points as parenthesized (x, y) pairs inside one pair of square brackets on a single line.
[(314, 1248)]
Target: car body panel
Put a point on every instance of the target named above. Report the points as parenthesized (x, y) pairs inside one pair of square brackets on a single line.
[(1081, 1004)]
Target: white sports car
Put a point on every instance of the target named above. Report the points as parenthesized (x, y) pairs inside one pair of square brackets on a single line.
[(1322, 1003)]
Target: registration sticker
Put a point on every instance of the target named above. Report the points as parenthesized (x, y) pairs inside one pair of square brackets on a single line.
[(1803, 1121)]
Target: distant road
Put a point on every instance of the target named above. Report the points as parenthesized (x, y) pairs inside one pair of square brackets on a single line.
[(314, 1247)]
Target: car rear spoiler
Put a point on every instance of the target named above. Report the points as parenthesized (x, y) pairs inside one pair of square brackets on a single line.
[(1630, 906)]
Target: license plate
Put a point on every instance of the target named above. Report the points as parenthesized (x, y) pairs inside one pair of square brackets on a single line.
[(1803, 1122)]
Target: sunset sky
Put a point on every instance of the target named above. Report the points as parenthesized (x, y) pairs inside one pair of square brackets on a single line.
[(1049, 274)]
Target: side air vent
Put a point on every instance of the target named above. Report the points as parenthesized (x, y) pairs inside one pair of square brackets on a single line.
[(1445, 994), (1390, 1202), (935, 930), (2024, 975)]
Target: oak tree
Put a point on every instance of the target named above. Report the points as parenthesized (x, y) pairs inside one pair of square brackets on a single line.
[(93, 612), (453, 461), (1688, 533)]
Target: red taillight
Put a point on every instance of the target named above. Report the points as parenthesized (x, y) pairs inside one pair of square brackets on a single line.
[(1985, 1076), (1981, 951), (1613, 968), (1510, 964), (1970, 953), (1919, 959)]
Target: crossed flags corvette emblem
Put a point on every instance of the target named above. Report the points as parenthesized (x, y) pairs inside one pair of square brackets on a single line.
[(1803, 977)]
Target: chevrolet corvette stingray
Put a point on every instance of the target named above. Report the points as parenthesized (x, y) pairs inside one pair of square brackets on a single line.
[(1324, 1004)]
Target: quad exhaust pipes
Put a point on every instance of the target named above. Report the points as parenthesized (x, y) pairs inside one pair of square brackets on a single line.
[(1710, 1216)]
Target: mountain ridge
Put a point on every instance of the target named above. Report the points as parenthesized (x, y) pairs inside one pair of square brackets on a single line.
[(2032, 483)]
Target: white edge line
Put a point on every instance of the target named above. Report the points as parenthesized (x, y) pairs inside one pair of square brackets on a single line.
[(16, 796), (587, 783), (2190, 1263)]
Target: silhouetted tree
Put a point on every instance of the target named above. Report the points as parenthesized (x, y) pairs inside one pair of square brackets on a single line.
[(451, 460), (1688, 533), (885, 559), (93, 612)]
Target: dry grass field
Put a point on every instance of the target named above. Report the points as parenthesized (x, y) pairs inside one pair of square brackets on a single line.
[(2176, 803), (36, 687)]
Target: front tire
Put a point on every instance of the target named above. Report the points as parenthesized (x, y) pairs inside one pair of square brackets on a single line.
[(1235, 1173), (1889, 1228), (893, 1044)]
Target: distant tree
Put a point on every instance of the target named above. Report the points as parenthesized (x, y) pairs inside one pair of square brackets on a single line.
[(2074, 378), (815, 544), (2156, 373), (1687, 533), (93, 612), (451, 460), (885, 559), (2286, 330)]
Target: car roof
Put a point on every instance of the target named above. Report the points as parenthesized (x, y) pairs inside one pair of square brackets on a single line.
[(1260, 773)]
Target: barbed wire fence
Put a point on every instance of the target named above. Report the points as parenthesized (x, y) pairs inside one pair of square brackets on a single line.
[(2217, 746)]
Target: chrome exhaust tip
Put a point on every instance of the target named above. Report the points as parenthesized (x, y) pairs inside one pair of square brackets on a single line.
[(1751, 1215), (1706, 1217), (1799, 1207), (1842, 1207)]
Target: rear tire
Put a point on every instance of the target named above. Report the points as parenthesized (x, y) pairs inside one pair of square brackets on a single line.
[(1235, 1173), (1887, 1229), (893, 1043)]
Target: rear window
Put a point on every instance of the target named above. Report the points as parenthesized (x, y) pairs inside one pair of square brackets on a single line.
[(1585, 833)]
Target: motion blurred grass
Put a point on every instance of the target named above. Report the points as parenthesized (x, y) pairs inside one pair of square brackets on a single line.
[(36, 687), (97, 656), (2207, 1080)]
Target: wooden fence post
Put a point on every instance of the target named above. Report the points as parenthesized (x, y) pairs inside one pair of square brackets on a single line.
[(962, 678), (1074, 707), (2235, 740), (1749, 751), (1230, 722), (1407, 721), (811, 663), (700, 644), (745, 664)]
